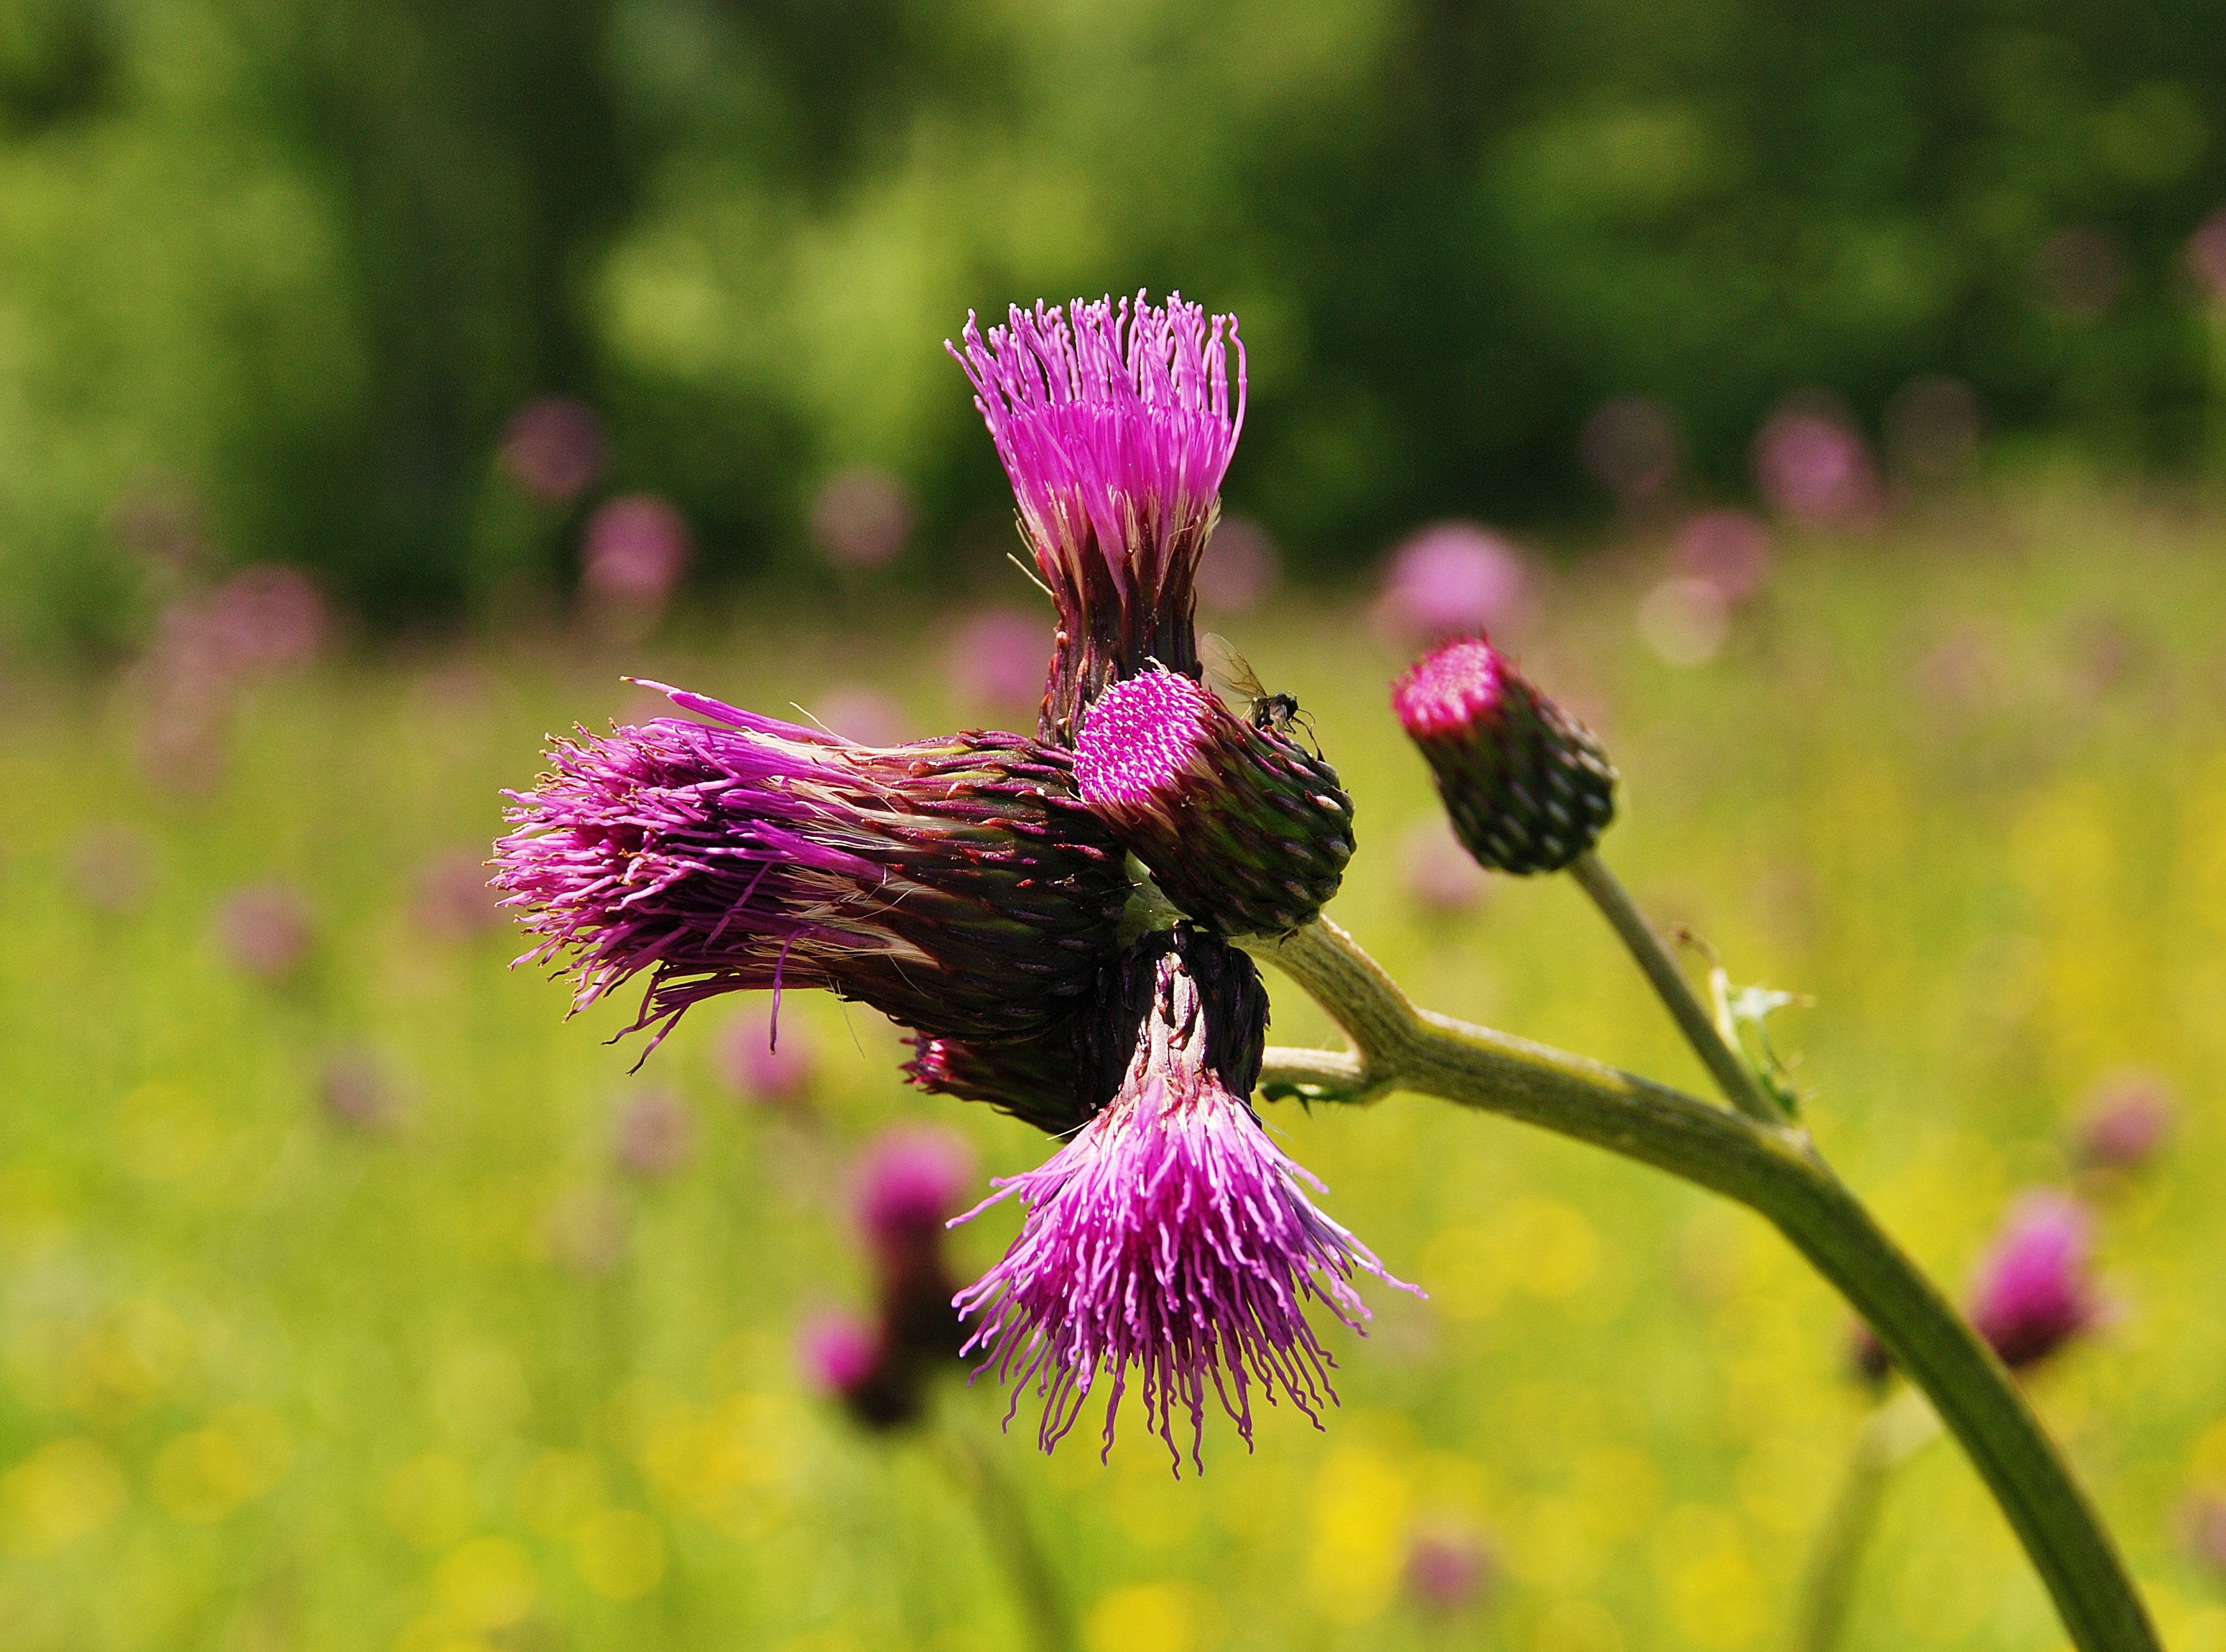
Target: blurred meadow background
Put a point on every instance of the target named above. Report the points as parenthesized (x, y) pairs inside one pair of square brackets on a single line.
[(1828, 402)]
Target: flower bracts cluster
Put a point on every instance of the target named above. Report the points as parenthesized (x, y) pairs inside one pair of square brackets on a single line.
[(1170, 1242), (1242, 829), (1115, 422), (1527, 787), (959, 885)]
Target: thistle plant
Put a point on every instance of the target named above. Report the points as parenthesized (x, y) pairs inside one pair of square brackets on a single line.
[(1068, 923)]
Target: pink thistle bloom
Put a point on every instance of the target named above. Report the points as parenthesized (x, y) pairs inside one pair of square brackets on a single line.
[(634, 549), (1116, 423), (2035, 1292), (553, 447), (1730, 551), (862, 518), (265, 929), (761, 1061), (1449, 579), (1171, 1237), (909, 1184), (959, 885), (652, 1135), (1811, 466), (1446, 1572), (996, 658), (1031, 1078), (2127, 1121)]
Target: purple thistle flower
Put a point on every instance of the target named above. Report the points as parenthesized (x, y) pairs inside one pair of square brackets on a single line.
[(846, 1358), (1171, 1236), (1242, 829), (2128, 1118), (908, 1186), (1447, 1571), (762, 1062), (959, 885), (1116, 423), (2034, 1291), (1526, 787)]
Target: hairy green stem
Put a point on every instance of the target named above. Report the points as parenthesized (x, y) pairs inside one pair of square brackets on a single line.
[(1741, 1087), (1770, 1168), (1890, 1436)]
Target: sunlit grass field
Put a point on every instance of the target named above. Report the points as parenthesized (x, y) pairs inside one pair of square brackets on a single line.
[(455, 1379)]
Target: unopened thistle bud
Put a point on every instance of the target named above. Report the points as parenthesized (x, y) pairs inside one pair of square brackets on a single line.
[(1171, 1239), (1527, 785), (1116, 423), (1031, 1078), (2035, 1291), (1241, 828), (959, 885)]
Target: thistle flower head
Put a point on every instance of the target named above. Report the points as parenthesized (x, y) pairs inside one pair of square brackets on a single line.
[(956, 885), (845, 1357), (908, 1185), (1031, 1078), (2035, 1291), (1171, 1240), (1115, 422), (1241, 828), (1528, 787)]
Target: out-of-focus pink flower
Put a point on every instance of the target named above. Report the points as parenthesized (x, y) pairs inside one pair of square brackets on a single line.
[(1240, 569), (553, 447), (109, 870), (2206, 254), (1450, 579), (1629, 446), (2126, 1120), (757, 1066), (265, 929), (862, 518), (1933, 424), (910, 1183), (634, 549), (1728, 551), (2081, 272), (356, 1091), (838, 1352), (454, 901), (1442, 876), (1811, 466), (2204, 1520), (267, 618), (652, 1133), (1447, 1571), (999, 658), (861, 714), (1684, 621), (2034, 1292)]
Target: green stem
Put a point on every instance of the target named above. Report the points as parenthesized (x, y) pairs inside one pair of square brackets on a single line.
[(1890, 1436), (1741, 1087), (1770, 1168), (1005, 1523)]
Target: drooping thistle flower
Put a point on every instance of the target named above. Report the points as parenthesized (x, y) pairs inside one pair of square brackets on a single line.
[(1170, 1240), (956, 885), (1031, 1078), (1241, 828), (1527, 787), (2035, 1291), (1115, 422)]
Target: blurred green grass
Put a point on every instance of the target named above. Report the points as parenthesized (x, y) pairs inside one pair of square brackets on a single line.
[(459, 1383)]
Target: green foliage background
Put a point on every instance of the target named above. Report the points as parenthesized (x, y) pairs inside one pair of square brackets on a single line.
[(302, 256)]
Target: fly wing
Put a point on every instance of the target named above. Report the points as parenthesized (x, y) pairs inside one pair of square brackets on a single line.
[(1228, 676)]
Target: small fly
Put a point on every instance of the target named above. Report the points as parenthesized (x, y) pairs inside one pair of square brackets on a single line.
[(1238, 685)]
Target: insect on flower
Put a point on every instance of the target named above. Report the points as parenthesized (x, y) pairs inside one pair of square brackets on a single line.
[(1229, 675)]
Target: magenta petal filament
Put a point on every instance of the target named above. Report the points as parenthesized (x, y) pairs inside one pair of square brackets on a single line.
[(1170, 1240)]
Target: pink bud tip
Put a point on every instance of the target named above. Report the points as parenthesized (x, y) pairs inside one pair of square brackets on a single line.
[(909, 1184), (838, 1352), (1140, 738), (1450, 688)]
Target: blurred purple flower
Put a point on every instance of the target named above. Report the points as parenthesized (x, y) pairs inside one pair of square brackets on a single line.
[(837, 1351), (1447, 1571), (2206, 254), (999, 658), (757, 1066), (356, 1091), (652, 1135), (553, 447), (2081, 272), (864, 714), (1441, 876), (454, 901), (2128, 1117), (1810, 466), (909, 1184), (264, 929), (266, 618), (2034, 1291), (1241, 568), (1933, 424), (862, 518), (2202, 1518), (1629, 446), (1730, 551), (633, 551), (1448, 580), (109, 870)]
